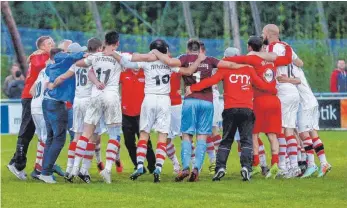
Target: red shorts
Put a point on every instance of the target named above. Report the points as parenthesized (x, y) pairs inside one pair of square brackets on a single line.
[(268, 116)]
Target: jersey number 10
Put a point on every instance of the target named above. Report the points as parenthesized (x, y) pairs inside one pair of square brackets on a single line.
[(164, 79)]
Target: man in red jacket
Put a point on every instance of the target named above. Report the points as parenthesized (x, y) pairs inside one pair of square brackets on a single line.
[(37, 61), (133, 86), (237, 114), (341, 65)]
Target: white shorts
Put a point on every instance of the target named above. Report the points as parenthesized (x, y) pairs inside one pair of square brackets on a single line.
[(80, 107), (289, 108), (217, 115), (40, 126), (155, 113), (308, 119), (175, 126), (106, 105)]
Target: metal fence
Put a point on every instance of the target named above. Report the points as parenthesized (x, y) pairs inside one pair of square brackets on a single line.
[(131, 43)]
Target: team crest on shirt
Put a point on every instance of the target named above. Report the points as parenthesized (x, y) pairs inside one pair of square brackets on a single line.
[(141, 80), (268, 75)]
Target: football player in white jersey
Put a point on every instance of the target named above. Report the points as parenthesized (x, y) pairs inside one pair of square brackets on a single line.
[(81, 104), (308, 125), (104, 103), (289, 97), (155, 109), (37, 114)]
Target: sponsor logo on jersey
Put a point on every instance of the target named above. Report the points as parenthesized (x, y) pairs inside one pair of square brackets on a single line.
[(268, 75), (240, 78)]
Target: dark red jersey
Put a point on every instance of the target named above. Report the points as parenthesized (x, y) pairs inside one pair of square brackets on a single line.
[(203, 71)]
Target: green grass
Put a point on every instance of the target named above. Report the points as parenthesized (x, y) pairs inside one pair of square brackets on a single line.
[(330, 191)]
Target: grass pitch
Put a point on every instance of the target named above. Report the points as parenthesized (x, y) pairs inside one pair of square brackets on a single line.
[(330, 191)]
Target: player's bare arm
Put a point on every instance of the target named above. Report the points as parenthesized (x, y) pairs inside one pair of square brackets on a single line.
[(230, 65), (94, 80), (285, 79), (264, 55), (81, 63), (192, 68), (60, 79), (172, 62), (33, 90), (149, 57)]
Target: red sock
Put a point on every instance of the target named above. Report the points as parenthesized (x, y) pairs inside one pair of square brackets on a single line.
[(274, 159), (255, 160)]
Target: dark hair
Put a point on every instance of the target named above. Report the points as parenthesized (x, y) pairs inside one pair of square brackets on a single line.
[(202, 46), (111, 38), (94, 44), (255, 43), (54, 51), (18, 73), (40, 41), (193, 45), (160, 45)]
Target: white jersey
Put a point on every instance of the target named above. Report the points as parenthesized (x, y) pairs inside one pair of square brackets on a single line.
[(284, 89), (36, 102), (307, 98), (157, 75), (107, 71), (83, 84)]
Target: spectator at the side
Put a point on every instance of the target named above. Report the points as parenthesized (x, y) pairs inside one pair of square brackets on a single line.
[(338, 79), (16, 86), (11, 77)]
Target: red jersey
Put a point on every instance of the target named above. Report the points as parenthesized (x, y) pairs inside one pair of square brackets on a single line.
[(238, 92), (203, 71), (175, 84), (133, 87), (36, 63), (265, 70)]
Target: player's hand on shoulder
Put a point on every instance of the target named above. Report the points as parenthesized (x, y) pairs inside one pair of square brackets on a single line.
[(188, 91), (154, 51), (201, 56), (50, 86)]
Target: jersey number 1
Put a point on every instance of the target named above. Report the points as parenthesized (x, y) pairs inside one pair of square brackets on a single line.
[(197, 76)]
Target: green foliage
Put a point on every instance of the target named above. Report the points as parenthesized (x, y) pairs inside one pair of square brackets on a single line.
[(5, 66), (297, 20)]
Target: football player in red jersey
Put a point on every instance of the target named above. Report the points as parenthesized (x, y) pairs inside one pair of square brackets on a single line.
[(267, 107), (237, 114)]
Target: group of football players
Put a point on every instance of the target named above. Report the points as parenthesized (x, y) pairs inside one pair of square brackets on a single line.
[(265, 91)]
